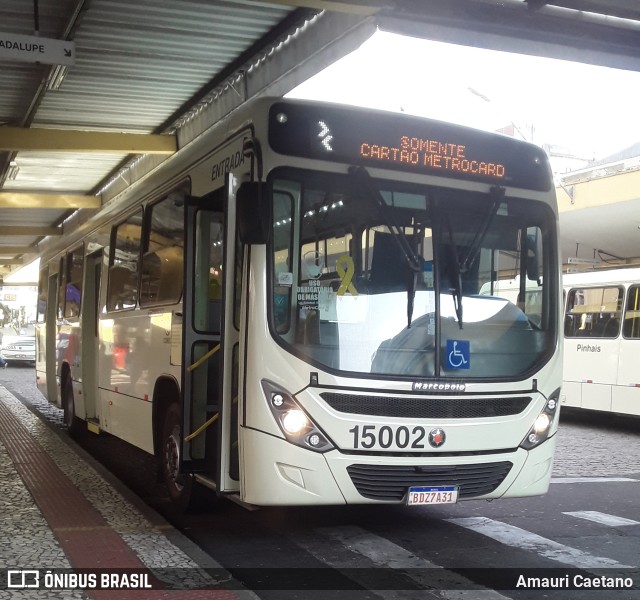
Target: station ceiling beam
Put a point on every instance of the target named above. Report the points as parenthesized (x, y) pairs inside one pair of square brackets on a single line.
[(37, 200), (13, 250), (15, 139), (623, 9), (355, 7), (37, 231), (537, 28)]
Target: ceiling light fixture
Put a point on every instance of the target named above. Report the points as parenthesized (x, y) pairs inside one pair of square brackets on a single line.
[(13, 171), (56, 77)]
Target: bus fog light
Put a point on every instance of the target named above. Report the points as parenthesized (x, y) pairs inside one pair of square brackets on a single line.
[(314, 439), (277, 400), (294, 421)]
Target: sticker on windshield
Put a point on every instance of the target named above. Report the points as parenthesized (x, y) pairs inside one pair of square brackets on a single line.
[(346, 269), (313, 262), (458, 354)]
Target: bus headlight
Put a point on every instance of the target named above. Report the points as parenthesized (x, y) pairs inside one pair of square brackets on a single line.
[(541, 427), (295, 424)]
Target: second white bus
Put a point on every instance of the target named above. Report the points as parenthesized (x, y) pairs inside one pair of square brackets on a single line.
[(602, 341)]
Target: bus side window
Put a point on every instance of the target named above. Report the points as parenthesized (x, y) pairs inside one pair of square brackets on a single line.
[(124, 263), (214, 305), (594, 312), (73, 287), (162, 251), (631, 327), (122, 288), (161, 276), (605, 326)]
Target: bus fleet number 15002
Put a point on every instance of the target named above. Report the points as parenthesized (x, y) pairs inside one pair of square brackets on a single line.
[(371, 436)]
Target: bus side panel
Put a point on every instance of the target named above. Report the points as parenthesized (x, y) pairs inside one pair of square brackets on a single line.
[(626, 400), (626, 395), (572, 393), (128, 418), (46, 341), (596, 396), (41, 373), (136, 350), (591, 363)]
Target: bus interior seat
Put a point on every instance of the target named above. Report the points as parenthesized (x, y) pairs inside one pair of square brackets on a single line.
[(631, 326), (171, 265), (162, 274), (122, 287), (611, 328), (388, 265)]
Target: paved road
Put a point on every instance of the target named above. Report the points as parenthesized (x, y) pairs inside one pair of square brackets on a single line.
[(587, 526)]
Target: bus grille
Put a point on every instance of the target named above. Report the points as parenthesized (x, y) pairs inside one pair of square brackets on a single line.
[(389, 483), (425, 408)]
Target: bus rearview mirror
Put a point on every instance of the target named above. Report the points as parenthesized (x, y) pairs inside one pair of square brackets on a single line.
[(253, 213), (533, 256)]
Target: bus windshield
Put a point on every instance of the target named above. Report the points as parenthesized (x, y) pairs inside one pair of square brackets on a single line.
[(392, 279)]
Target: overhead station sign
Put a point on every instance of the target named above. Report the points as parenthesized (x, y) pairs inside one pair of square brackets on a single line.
[(36, 49)]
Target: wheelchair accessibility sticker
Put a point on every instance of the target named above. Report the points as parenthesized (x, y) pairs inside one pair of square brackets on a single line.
[(458, 354)]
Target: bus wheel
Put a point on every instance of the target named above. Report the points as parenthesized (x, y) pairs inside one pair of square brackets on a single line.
[(178, 484), (74, 425)]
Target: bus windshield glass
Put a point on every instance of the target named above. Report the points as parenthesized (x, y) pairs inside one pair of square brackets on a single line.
[(391, 279)]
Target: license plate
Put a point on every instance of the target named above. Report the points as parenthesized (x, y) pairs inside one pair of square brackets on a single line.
[(444, 494)]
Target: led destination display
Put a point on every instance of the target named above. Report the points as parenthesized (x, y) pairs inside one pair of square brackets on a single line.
[(432, 154), (405, 143)]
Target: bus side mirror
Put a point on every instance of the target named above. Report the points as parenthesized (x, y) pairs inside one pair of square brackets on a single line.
[(253, 213), (534, 250)]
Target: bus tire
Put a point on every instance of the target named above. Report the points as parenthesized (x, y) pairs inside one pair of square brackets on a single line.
[(179, 485), (74, 425)]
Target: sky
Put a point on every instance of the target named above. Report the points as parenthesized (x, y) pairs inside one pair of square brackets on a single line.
[(590, 111)]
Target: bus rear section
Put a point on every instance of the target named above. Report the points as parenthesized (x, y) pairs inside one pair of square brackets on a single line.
[(602, 337)]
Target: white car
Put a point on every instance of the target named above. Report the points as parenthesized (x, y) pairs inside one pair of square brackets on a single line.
[(19, 348)]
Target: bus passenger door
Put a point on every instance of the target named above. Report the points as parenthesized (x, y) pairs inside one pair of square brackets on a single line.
[(51, 341), (206, 385), (90, 311)]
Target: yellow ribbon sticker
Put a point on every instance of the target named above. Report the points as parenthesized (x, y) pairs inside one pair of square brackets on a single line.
[(346, 269)]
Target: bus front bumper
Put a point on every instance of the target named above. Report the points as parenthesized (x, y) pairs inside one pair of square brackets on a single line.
[(279, 473)]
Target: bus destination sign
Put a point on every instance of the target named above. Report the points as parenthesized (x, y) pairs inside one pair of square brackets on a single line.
[(379, 139), (432, 154)]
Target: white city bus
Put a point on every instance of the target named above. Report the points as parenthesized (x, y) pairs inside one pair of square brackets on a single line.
[(288, 311), (602, 341)]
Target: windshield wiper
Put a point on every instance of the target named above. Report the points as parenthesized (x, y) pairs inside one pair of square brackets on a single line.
[(364, 182), (412, 283), (456, 276), (461, 265), (497, 195)]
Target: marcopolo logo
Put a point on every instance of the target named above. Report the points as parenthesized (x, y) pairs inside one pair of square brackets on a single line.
[(438, 386)]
